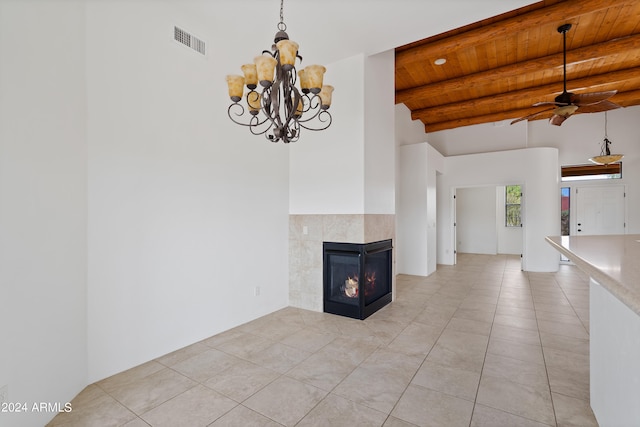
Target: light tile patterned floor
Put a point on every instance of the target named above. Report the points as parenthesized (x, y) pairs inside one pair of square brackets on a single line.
[(476, 344)]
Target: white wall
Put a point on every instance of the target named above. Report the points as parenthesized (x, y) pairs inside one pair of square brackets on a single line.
[(577, 139), (411, 218), (583, 139), (410, 238), (476, 220), (416, 216), (417, 167), (379, 154), (482, 138), (187, 211), (435, 166), (536, 170), (327, 169), (43, 205), (350, 167), (407, 131)]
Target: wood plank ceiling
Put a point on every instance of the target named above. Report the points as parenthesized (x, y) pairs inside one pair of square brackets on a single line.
[(497, 69)]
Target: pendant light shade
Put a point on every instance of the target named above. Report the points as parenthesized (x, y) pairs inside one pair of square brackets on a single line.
[(605, 156)]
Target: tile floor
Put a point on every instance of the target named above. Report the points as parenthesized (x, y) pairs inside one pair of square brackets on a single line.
[(476, 344)]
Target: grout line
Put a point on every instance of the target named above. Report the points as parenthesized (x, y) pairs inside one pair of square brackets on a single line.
[(462, 280), (544, 358), (475, 399), (426, 355)]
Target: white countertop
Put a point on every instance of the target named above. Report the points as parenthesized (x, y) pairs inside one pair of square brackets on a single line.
[(613, 261)]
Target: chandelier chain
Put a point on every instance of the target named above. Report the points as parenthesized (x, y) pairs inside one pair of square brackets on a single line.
[(281, 25), (605, 151)]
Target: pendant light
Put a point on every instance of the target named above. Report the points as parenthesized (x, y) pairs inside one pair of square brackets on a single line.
[(605, 156)]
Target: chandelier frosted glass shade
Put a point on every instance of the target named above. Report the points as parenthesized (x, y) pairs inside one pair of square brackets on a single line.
[(235, 84)]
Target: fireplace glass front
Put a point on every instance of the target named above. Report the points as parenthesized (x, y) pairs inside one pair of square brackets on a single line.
[(357, 278)]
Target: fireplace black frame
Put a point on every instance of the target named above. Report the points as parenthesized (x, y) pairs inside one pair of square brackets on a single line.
[(357, 309)]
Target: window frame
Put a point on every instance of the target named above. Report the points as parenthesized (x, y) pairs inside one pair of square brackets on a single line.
[(508, 205), (590, 172)]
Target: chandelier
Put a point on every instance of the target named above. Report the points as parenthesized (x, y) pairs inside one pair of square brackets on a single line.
[(280, 110), (605, 156)]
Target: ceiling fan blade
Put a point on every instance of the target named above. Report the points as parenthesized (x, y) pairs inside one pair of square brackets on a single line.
[(530, 116), (557, 120), (599, 107), (557, 104), (582, 99), (567, 103)]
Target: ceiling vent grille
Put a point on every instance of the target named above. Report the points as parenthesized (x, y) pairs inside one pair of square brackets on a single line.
[(190, 40)]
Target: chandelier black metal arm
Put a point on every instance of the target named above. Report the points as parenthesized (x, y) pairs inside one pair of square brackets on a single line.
[(254, 122), (323, 116), (284, 109)]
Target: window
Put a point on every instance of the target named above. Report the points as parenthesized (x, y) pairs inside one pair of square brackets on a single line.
[(590, 172), (565, 199), (565, 211), (513, 206)]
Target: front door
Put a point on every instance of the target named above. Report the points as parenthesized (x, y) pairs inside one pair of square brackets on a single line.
[(600, 210)]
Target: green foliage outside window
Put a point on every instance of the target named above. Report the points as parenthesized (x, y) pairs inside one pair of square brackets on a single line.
[(513, 206)]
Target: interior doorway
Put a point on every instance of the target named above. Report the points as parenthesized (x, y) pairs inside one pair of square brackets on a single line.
[(483, 221)]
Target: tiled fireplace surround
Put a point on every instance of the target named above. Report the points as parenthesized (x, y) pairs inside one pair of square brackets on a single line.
[(306, 234)]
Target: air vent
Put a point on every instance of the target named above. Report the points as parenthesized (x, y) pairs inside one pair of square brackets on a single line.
[(187, 39)]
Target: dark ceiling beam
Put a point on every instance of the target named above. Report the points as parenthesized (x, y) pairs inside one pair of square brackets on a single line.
[(563, 11), (627, 99), (592, 53), (621, 98), (607, 81)]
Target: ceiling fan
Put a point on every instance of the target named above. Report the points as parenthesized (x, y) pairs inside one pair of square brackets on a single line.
[(568, 103)]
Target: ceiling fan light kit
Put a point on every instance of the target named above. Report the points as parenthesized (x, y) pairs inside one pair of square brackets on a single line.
[(565, 111), (568, 103)]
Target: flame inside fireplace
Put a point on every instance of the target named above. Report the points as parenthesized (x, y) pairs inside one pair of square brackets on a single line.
[(369, 283), (351, 285)]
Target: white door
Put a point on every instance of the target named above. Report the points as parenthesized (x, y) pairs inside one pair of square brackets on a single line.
[(600, 210)]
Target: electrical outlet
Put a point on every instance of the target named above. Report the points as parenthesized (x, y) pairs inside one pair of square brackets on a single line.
[(4, 394), (256, 291)]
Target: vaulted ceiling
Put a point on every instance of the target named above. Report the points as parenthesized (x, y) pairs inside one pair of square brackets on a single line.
[(496, 69)]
